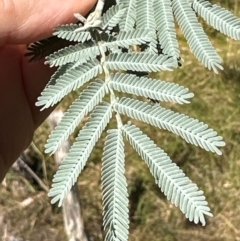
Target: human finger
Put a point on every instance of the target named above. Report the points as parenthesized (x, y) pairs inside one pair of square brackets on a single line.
[(26, 21)]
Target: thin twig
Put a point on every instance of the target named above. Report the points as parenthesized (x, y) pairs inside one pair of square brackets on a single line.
[(94, 18), (31, 172)]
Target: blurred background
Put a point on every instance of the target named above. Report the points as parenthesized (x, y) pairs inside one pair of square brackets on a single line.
[(25, 209)]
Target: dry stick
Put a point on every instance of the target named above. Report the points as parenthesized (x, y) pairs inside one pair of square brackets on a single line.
[(73, 221), (23, 164), (28, 201), (35, 148)]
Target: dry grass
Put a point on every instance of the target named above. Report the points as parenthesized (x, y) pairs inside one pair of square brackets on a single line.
[(216, 102)]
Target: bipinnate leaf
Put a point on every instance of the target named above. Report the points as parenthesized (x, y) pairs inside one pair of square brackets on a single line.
[(191, 130), (128, 21), (85, 103), (174, 184), (140, 62), (77, 157), (197, 39), (114, 188), (166, 28), (71, 80), (150, 88), (218, 17), (112, 17), (69, 33), (80, 52)]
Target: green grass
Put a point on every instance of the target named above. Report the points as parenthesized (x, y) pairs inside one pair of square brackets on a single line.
[(216, 102)]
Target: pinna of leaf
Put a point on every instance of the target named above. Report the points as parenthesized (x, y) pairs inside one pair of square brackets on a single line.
[(106, 44)]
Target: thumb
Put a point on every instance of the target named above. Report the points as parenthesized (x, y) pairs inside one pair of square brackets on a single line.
[(25, 21)]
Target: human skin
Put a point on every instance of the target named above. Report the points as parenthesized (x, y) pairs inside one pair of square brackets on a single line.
[(21, 82)]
